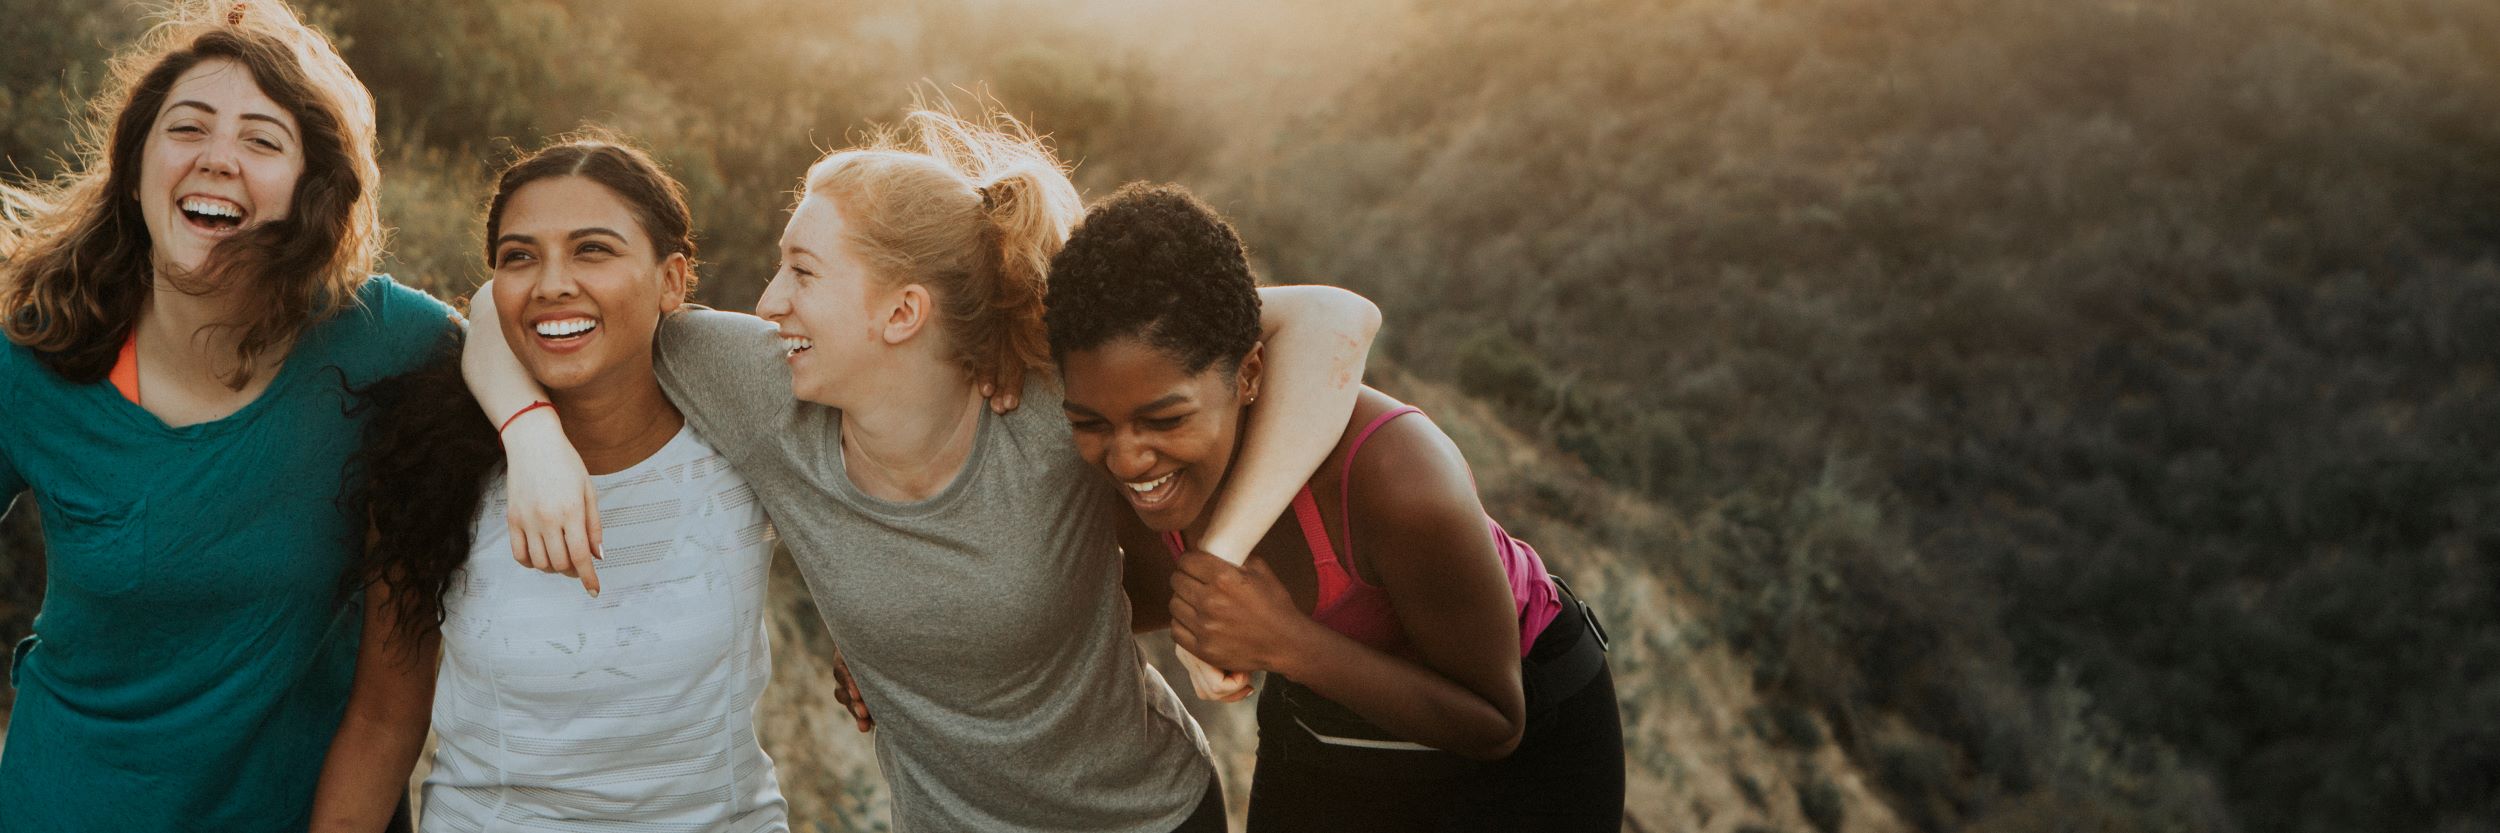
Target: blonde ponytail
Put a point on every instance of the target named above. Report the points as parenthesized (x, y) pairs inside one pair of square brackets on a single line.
[(973, 211)]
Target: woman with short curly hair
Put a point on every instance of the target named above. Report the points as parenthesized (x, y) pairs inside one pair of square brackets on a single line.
[(1425, 672)]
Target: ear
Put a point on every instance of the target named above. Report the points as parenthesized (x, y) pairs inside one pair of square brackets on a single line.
[(1250, 375), (907, 312), (675, 274)]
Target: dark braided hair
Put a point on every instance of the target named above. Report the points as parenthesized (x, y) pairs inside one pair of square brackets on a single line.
[(1152, 262)]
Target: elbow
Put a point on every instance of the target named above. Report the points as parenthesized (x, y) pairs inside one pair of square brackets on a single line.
[(1494, 746), (1362, 316)]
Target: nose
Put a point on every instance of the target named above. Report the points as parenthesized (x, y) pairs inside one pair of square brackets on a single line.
[(555, 281), (218, 158), (775, 305), (1129, 457)]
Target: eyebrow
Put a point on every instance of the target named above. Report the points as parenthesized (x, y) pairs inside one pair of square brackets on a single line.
[(593, 231), (1167, 401), (203, 106)]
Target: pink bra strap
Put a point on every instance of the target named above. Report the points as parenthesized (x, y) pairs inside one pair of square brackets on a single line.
[(1345, 483)]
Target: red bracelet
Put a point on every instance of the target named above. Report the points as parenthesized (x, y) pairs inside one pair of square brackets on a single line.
[(507, 421)]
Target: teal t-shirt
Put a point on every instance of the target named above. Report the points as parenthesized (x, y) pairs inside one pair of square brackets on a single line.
[(193, 655)]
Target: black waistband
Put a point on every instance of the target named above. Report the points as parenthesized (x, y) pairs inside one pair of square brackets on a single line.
[(1566, 656)]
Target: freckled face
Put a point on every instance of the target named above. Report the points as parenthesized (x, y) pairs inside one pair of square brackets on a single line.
[(579, 285), (220, 158), (1165, 435)]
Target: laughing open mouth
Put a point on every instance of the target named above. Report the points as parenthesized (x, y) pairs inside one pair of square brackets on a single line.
[(1154, 493), (566, 328), (212, 213)]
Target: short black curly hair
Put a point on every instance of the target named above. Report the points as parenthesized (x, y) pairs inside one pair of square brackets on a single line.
[(1154, 263)]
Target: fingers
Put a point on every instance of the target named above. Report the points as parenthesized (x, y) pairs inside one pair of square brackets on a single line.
[(590, 502), (589, 575), (1240, 683), (1200, 565), (1184, 614), (846, 691), (1001, 400), (578, 550), (1211, 683), (520, 541), (538, 552)]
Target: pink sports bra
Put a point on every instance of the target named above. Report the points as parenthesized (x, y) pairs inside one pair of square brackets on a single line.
[(1349, 605)]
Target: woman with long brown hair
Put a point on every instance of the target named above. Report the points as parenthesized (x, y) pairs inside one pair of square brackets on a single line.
[(187, 313)]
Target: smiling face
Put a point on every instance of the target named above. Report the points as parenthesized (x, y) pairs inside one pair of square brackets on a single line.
[(825, 301), (221, 157), (579, 285), (1166, 435)]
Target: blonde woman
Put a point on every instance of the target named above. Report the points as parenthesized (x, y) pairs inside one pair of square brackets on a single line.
[(186, 316), (964, 559)]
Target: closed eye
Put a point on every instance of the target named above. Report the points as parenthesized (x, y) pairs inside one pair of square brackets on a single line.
[(1163, 423)]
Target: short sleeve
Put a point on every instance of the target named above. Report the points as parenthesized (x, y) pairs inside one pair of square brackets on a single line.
[(408, 326), (724, 370)]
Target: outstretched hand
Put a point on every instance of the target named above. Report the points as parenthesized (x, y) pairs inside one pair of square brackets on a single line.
[(552, 508)]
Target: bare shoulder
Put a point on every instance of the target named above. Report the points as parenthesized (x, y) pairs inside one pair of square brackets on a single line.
[(1408, 481)]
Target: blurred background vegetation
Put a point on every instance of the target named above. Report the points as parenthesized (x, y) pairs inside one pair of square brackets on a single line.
[(2077, 414)]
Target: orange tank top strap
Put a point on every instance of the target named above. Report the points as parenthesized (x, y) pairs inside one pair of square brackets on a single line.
[(125, 375)]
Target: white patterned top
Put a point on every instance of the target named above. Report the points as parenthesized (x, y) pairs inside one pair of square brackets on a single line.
[(633, 711)]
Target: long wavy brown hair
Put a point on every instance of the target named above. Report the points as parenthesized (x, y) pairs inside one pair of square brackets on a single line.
[(76, 260)]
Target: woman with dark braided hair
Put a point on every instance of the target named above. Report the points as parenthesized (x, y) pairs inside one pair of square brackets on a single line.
[(1425, 673), (187, 314), (628, 706)]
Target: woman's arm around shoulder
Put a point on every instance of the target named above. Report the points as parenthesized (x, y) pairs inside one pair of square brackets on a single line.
[(552, 509), (1314, 341)]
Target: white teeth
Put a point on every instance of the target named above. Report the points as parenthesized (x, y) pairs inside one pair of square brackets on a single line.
[(565, 327), (215, 208), (1151, 485), (791, 345)]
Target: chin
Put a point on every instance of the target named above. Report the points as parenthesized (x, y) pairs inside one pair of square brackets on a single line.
[(805, 392)]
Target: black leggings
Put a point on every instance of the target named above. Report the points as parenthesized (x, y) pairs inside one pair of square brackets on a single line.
[(1566, 775)]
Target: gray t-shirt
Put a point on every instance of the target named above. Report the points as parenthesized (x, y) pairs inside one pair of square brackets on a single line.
[(986, 626)]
